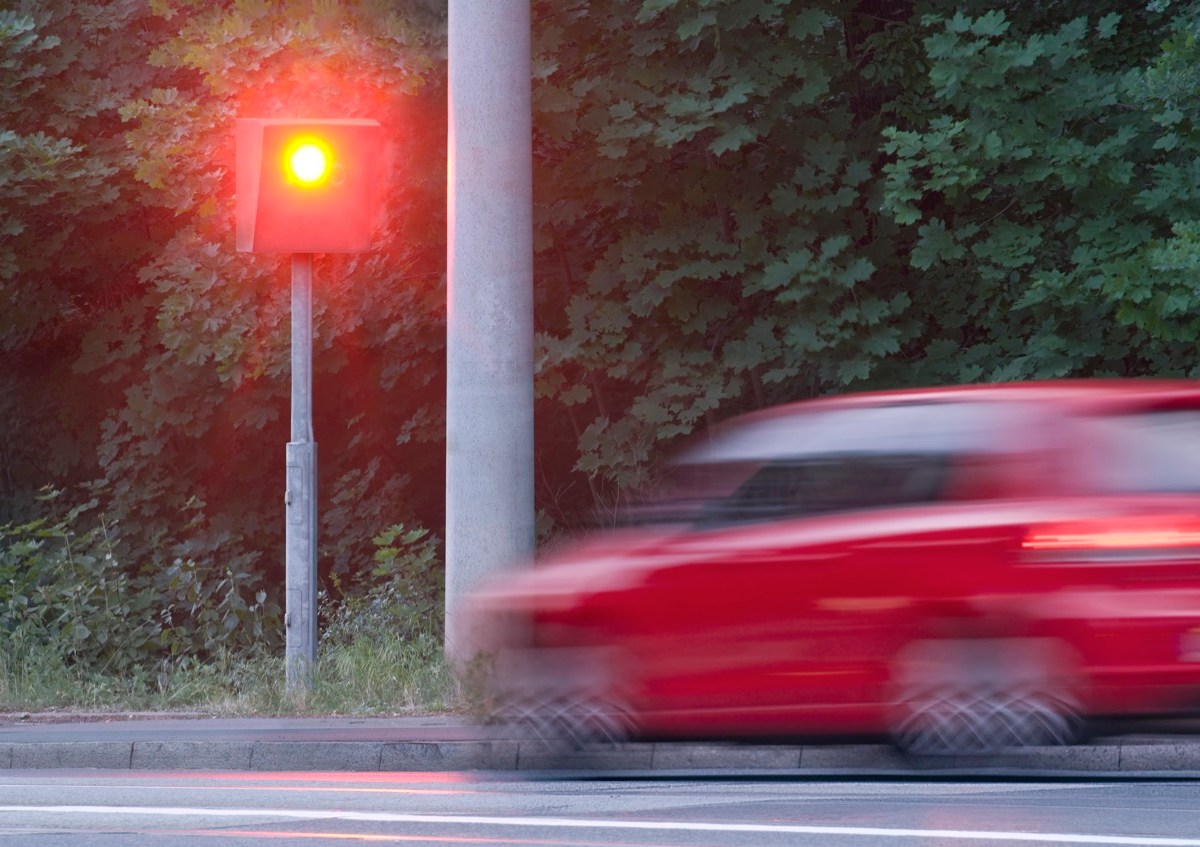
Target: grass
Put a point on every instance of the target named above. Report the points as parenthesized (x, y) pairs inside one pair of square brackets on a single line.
[(368, 676)]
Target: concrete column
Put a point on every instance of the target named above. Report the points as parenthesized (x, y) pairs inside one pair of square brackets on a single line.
[(489, 391)]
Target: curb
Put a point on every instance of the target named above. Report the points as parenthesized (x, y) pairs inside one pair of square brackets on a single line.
[(1125, 759)]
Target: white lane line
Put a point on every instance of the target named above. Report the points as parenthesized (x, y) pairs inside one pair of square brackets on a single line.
[(586, 823)]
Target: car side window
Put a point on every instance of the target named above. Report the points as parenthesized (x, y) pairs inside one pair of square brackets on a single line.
[(833, 483), (1149, 452), (869, 457), (840, 459)]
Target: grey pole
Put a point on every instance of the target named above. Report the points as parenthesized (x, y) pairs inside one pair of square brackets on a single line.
[(489, 343), (301, 497)]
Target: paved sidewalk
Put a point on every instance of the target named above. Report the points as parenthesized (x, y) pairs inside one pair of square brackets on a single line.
[(445, 743)]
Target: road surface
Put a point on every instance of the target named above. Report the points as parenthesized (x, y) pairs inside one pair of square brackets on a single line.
[(53, 808)]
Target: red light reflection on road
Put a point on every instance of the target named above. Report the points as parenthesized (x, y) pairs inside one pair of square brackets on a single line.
[(358, 782), (380, 838), (409, 777)]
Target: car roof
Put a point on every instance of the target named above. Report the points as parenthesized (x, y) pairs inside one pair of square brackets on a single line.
[(1079, 394), (758, 435)]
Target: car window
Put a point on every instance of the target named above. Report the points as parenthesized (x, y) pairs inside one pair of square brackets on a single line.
[(830, 461), (896, 429), (1149, 452), (833, 483)]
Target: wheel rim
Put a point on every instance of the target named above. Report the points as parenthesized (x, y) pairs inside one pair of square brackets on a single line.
[(560, 721), (951, 722)]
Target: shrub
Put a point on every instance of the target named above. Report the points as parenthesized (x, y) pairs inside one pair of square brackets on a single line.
[(64, 586), (402, 598)]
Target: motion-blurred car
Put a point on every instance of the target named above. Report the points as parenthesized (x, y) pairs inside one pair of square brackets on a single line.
[(963, 569)]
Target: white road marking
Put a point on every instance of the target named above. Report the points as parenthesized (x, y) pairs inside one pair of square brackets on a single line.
[(586, 823)]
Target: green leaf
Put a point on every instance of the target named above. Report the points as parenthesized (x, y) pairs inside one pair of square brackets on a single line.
[(994, 24), (733, 139), (1106, 27), (936, 244), (695, 25)]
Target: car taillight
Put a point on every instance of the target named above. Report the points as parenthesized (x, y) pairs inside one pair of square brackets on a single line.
[(1135, 535)]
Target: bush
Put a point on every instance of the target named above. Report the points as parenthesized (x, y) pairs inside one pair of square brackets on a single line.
[(403, 598), (83, 629), (65, 587)]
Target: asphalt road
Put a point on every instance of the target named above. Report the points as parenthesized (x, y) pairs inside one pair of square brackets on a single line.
[(107, 809)]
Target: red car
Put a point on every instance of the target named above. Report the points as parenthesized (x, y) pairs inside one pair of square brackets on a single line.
[(962, 568)]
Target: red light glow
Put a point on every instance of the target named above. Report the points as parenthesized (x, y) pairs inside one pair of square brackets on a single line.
[(382, 838), (307, 162)]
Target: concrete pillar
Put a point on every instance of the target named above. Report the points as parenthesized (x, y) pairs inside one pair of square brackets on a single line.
[(489, 391)]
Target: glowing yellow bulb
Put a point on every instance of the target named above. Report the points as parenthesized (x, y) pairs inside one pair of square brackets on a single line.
[(308, 163)]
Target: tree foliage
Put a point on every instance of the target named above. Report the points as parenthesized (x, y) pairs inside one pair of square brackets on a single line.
[(211, 388), (1047, 181), (74, 225), (737, 203), (745, 202), (187, 370), (707, 216)]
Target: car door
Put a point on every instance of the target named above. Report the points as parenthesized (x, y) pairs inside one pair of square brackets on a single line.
[(780, 609)]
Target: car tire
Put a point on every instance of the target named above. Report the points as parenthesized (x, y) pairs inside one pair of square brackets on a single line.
[(565, 722), (983, 696)]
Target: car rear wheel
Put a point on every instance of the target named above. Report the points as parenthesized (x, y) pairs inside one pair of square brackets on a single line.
[(983, 696)]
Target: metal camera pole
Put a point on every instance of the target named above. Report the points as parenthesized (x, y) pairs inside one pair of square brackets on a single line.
[(301, 499), (305, 186)]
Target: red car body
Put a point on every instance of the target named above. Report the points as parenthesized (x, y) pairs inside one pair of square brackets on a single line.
[(963, 568)]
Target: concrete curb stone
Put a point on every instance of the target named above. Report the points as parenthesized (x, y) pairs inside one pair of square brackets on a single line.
[(449, 756), (316, 756), (190, 755), (691, 756), (1161, 757), (1074, 759), (872, 756), (71, 754), (535, 756)]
